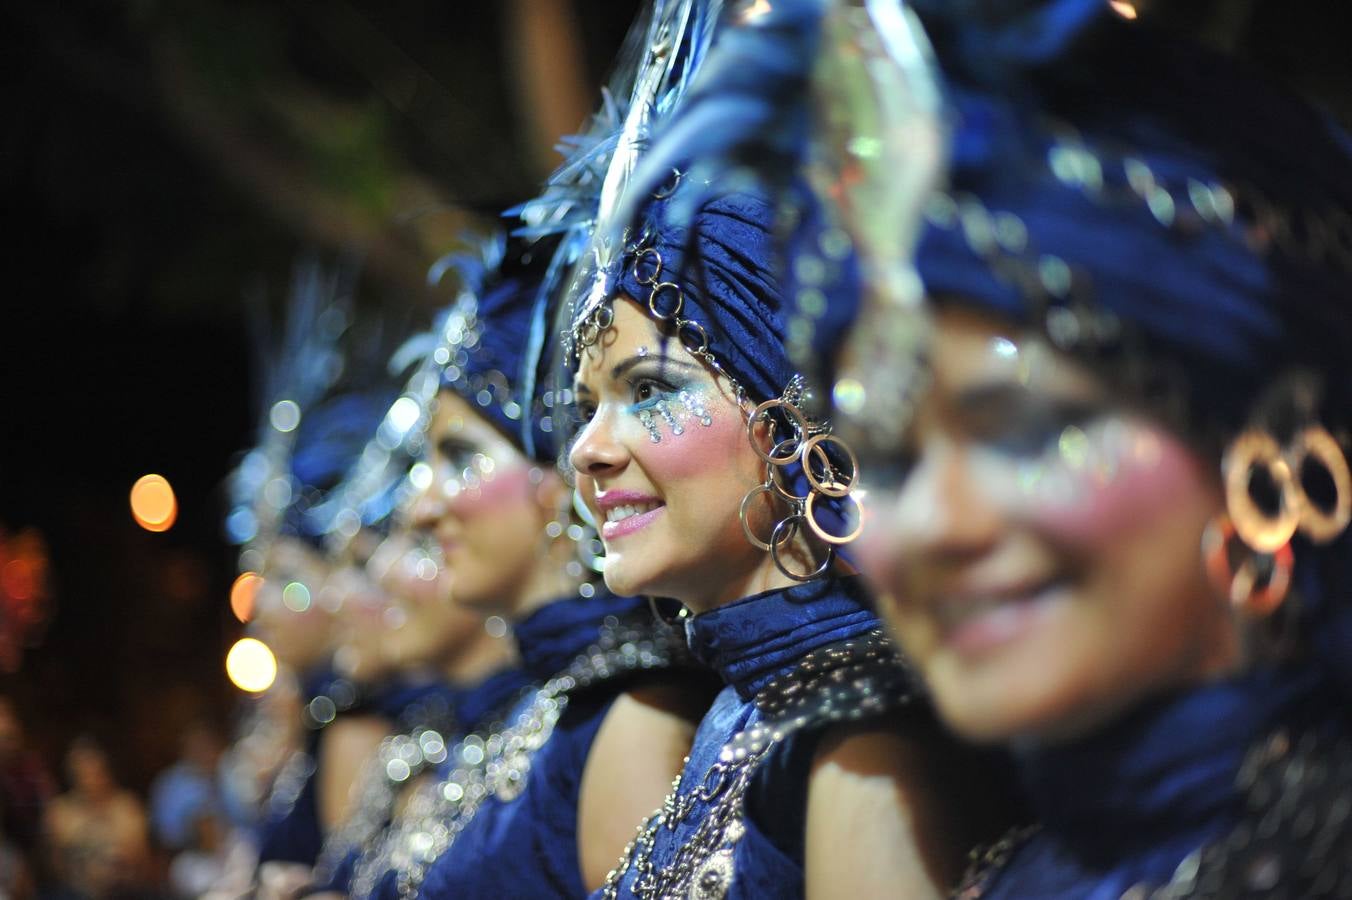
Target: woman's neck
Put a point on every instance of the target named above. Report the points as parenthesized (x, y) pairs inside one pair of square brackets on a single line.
[(546, 582), (763, 575), (477, 657)]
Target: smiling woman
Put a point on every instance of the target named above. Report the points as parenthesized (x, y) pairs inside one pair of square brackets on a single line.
[(714, 488), (1113, 534)]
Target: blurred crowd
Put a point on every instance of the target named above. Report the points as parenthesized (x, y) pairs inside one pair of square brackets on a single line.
[(81, 833)]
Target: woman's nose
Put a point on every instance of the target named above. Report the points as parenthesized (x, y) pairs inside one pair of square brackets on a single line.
[(597, 451)]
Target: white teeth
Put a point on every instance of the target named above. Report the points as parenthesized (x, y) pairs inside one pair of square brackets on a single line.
[(616, 513)]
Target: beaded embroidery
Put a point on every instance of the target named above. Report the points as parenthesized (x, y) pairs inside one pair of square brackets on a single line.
[(400, 758), (848, 681)]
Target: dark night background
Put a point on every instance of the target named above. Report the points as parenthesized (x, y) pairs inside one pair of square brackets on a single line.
[(158, 161)]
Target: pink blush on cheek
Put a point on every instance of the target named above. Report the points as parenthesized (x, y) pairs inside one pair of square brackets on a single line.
[(504, 487), (1122, 476)]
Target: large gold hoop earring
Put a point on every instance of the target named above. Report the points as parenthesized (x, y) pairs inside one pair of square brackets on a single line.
[(831, 484), (1319, 525), (1260, 530), (828, 537), (799, 423)]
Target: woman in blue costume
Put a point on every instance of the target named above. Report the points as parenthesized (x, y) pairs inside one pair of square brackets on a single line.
[(816, 772), (310, 435), (544, 799), (1113, 530), (341, 494), (448, 673)]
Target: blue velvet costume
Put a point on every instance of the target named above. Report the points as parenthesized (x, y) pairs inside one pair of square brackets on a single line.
[(1232, 788), (795, 660)]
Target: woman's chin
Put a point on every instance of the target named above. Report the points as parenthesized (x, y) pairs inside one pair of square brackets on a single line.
[(632, 579)]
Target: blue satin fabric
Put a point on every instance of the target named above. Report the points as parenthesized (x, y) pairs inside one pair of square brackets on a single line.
[(528, 847), (1128, 803), (504, 304), (749, 643), (554, 635), (722, 258), (294, 834)]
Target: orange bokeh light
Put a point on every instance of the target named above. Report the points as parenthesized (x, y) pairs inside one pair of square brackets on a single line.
[(153, 504), (1124, 8), (242, 594)]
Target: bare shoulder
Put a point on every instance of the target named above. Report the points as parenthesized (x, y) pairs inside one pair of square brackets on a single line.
[(877, 820), (638, 751), (346, 746)]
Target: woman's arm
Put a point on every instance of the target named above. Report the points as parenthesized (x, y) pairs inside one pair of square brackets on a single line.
[(878, 821), (638, 750), (344, 748)]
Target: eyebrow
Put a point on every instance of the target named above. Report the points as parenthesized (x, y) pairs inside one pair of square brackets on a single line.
[(620, 369), (1016, 399), (623, 366)]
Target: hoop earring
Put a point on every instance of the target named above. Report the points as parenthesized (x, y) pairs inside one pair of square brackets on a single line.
[(829, 478), (1257, 450), (1319, 525), (1259, 584)]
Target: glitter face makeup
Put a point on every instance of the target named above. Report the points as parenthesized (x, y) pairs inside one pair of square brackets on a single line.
[(1037, 543), (663, 463)]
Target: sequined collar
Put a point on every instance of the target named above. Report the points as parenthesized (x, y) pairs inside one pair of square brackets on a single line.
[(1165, 772), (757, 638), (554, 635)]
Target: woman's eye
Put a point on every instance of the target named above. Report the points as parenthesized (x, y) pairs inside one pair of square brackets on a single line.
[(1035, 432), (647, 390)]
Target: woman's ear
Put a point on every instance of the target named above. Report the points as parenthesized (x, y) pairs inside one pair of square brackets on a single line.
[(553, 494)]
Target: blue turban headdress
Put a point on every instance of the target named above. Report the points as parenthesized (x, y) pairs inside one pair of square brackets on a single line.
[(485, 337), (294, 457)]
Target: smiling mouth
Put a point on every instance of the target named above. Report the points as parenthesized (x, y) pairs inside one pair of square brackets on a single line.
[(627, 518), (973, 623), (628, 510)]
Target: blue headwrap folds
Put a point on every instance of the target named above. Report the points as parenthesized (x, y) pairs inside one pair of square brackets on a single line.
[(719, 269), (485, 355)]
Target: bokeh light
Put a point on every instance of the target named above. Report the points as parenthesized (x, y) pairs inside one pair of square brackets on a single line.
[(296, 597), (153, 505), (251, 665), (243, 593), (1124, 8)]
